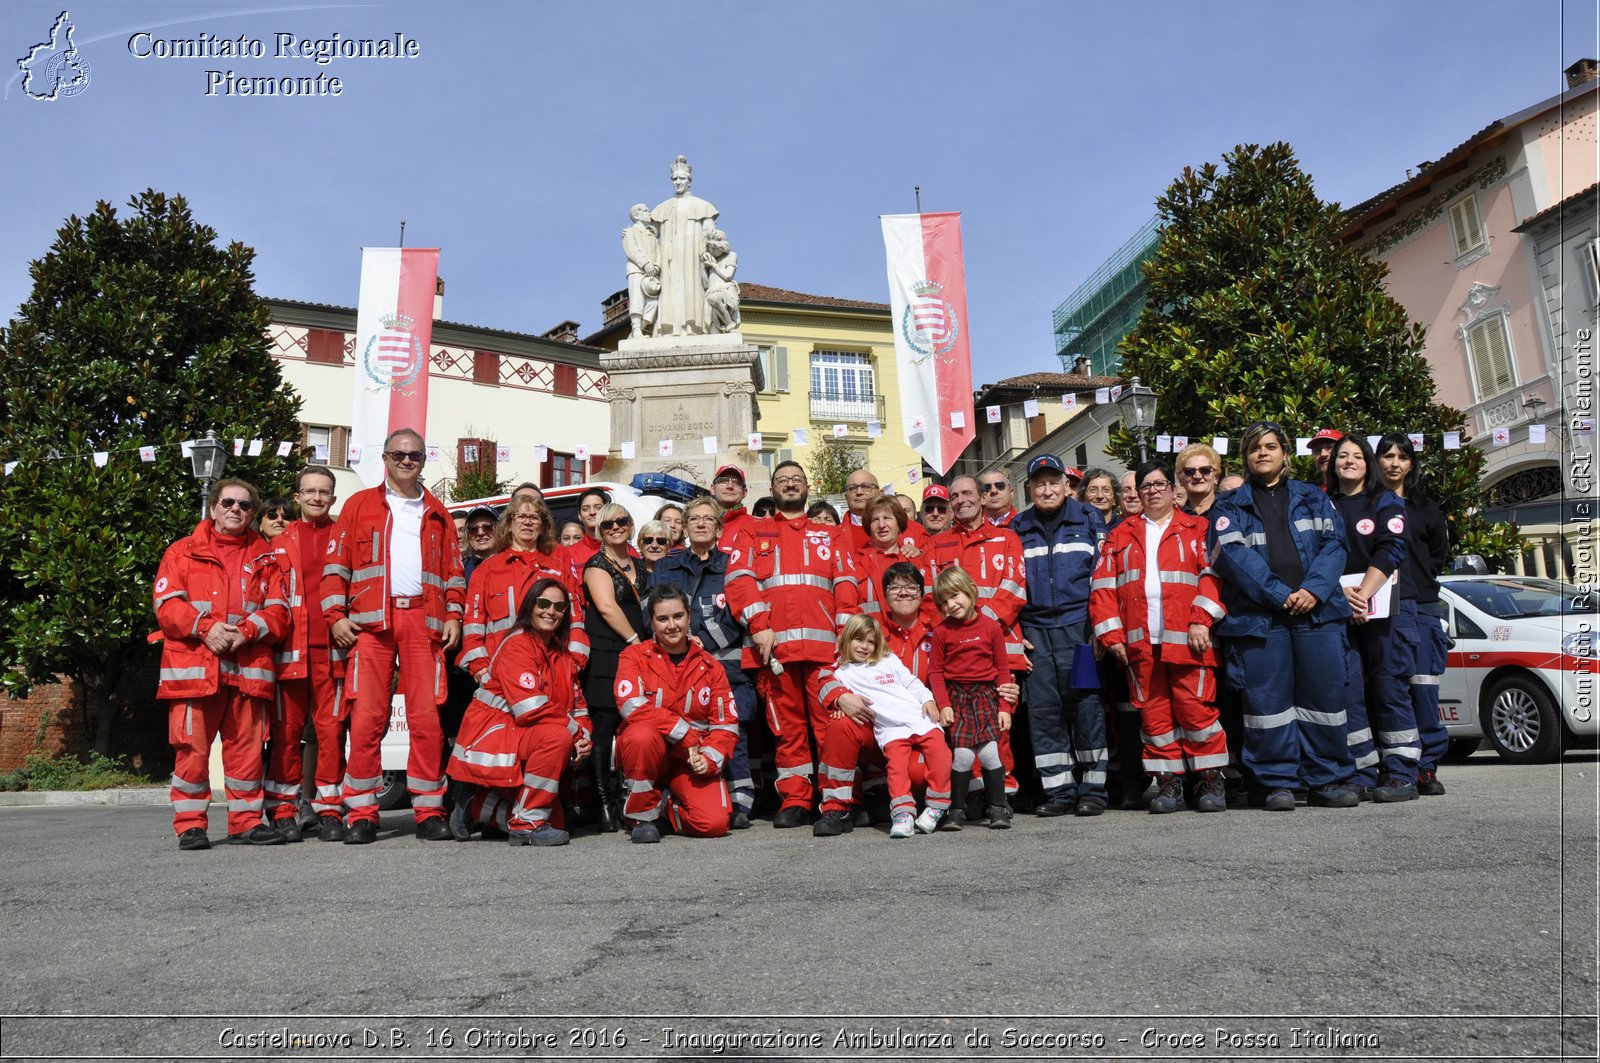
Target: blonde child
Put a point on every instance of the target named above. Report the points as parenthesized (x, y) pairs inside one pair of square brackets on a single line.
[(904, 722), (967, 663)]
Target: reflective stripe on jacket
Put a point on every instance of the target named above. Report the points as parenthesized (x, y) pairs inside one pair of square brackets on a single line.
[(1190, 591), (355, 578), (794, 577), (1237, 546)]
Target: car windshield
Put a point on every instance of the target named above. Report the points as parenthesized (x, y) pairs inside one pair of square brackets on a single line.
[(1512, 599)]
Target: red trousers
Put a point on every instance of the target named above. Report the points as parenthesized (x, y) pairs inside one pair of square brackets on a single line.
[(191, 724), (369, 678), (843, 749), (796, 715), (901, 754), (1178, 716), (316, 697), (544, 749), (696, 805)]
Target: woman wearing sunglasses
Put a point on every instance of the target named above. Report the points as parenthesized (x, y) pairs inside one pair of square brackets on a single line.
[(527, 722), (655, 541), (613, 585), (276, 516), (1199, 470)]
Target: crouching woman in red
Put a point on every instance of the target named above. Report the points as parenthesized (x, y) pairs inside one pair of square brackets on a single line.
[(524, 725), (679, 726)]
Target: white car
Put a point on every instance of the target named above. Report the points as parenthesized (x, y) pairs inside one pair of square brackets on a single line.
[(1523, 668)]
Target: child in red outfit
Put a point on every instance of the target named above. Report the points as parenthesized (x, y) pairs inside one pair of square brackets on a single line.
[(968, 663)]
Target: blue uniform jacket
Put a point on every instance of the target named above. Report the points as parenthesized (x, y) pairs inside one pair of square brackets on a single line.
[(1060, 565), (710, 617), (1237, 546)]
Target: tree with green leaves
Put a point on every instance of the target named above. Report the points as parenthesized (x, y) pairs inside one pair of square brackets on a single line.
[(1256, 311), (140, 331), (832, 462)]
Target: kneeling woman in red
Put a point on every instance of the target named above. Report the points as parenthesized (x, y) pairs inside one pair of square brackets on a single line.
[(679, 726), (526, 722)]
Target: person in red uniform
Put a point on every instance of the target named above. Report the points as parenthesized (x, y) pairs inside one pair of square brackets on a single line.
[(526, 722), (889, 542), (679, 727), (393, 591), (220, 601), (728, 491), (1152, 603), (935, 509), (790, 576), (310, 670), (966, 667), (998, 498)]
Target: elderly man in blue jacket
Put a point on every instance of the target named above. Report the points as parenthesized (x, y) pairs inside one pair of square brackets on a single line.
[(1060, 546), (1279, 547)]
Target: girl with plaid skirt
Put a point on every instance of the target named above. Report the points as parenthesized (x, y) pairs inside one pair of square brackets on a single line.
[(967, 664)]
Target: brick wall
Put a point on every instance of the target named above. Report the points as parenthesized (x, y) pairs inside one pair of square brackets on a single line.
[(140, 734)]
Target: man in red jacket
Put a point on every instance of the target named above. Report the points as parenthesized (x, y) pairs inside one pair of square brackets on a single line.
[(790, 576), (310, 670), (728, 491), (219, 598), (679, 726), (393, 591)]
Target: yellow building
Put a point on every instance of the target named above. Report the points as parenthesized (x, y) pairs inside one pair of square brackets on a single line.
[(825, 362)]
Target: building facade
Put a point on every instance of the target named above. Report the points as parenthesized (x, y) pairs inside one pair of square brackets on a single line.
[(1092, 321)]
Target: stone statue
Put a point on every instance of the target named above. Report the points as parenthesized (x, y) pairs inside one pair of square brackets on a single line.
[(641, 246), (722, 295), (683, 223)]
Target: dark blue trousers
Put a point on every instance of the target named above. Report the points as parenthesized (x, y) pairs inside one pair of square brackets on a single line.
[(1292, 686), (1068, 726)]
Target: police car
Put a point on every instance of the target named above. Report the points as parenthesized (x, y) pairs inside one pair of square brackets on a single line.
[(1523, 668)]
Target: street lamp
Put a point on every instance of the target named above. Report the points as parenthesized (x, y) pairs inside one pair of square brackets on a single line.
[(207, 457), (1138, 405)]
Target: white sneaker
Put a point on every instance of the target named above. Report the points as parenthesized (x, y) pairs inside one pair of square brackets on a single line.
[(928, 822), (902, 826)]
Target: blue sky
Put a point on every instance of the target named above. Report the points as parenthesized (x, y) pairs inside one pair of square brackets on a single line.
[(519, 137)]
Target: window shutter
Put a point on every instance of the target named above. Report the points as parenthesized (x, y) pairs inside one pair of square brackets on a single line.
[(339, 447), (1491, 356), (485, 367), (1466, 229), (566, 380), (780, 369)]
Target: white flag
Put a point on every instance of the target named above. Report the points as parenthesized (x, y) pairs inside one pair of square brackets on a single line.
[(100, 458), (958, 420), (993, 413), (255, 448), (1536, 433), (754, 442), (1102, 395), (394, 334), (1416, 442), (147, 453), (1030, 407), (541, 453), (629, 451), (839, 431), (1069, 401), (874, 429), (1219, 444), (800, 437), (433, 451), (1452, 441), (285, 448), (708, 444), (1163, 444), (664, 448), (238, 448), (502, 453)]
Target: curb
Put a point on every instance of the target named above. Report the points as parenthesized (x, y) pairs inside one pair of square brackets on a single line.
[(131, 796)]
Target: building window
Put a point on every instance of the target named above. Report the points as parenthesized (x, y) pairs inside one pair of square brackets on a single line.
[(563, 470), (1466, 227), (325, 346), (1591, 268), (843, 387), (325, 444), (774, 369), (1489, 347)]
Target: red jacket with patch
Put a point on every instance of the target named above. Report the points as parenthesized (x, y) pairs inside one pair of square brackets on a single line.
[(492, 600), (303, 587), (993, 558), (794, 577), (1190, 591), (689, 702), (355, 578)]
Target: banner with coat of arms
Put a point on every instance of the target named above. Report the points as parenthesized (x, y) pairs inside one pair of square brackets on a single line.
[(928, 309), (394, 331)]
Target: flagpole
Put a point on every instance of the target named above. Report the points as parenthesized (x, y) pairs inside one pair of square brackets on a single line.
[(917, 191), (402, 232)]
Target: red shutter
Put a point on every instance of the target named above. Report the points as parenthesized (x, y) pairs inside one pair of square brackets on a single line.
[(566, 380), (485, 367), (325, 346)]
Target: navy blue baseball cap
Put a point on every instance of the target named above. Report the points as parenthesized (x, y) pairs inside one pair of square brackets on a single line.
[(1045, 463)]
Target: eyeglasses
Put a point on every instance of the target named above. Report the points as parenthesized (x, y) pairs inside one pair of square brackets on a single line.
[(527, 518), (723, 481), (861, 487), (935, 507), (993, 488), (1152, 486), (613, 525), (480, 529), (315, 493), (702, 518), (789, 481), (902, 590), (546, 605), (400, 457), (654, 540), (244, 504), (1200, 472)]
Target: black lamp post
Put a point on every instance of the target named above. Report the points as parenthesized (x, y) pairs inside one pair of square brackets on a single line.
[(1139, 411), (207, 456)]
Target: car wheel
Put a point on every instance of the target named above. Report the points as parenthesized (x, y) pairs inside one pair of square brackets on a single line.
[(1520, 720), (1462, 748), (392, 794)]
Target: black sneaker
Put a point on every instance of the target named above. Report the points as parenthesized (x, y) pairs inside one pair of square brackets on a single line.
[(1169, 794), (194, 838), (1279, 801), (1428, 784), (434, 829), (645, 834), (305, 815), (832, 824), (361, 832), (1211, 795), (1055, 807), (860, 817), (260, 834), (330, 828), (1334, 795), (953, 819), (740, 820), (289, 827), (789, 816), (1392, 788), (999, 817), (545, 835)]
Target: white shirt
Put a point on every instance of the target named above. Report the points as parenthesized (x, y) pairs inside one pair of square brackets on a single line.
[(1152, 576), (405, 542), (897, 697)]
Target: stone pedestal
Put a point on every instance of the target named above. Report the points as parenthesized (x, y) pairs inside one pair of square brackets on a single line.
[(683, 389)]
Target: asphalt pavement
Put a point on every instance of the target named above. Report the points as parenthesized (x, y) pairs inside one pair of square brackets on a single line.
[(1458, 926)]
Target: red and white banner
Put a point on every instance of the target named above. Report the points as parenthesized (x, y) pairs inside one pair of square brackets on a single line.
[(928, 311), (394, 330)]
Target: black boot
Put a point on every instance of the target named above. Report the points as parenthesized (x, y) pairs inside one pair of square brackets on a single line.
[(994, 792), (953, 819), (607, 818)]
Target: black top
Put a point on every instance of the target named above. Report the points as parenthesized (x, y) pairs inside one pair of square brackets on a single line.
[(1272, 503), (605, 644), (1428, 546), (1375, 534)]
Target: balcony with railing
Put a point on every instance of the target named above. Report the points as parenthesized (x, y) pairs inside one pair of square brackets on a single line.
[(828, 408)]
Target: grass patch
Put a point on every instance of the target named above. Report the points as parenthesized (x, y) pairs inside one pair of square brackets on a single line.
[(97, 772)]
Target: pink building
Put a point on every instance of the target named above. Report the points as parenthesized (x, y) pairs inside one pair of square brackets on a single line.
[(1500, 335)]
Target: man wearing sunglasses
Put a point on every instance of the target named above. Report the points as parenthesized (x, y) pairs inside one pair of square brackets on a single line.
[(998, 499), (394, 593), (935, 509), (221, 601)]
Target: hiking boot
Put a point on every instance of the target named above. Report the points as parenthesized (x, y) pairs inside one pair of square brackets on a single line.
[(434, 829), (1279, 801), (260, 834), (460, 824), (740, 820), (860, 817), (306, 815), (928, 821), (953, 819), (193, 839), (994, 788), (1169, 793), (361, 832), (1392, 788), (789, 816), (1428, 784), (1211, 794), (903, 826), (645, 834), (289, 827), (832, 824), (1334, 795), (330, 828)]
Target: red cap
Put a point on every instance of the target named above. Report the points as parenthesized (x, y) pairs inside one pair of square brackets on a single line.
[(1072, 473), (730, 470), (936, 491), (1326, 435)]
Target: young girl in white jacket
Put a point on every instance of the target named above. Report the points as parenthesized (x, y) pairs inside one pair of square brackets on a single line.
[(904, 722)]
